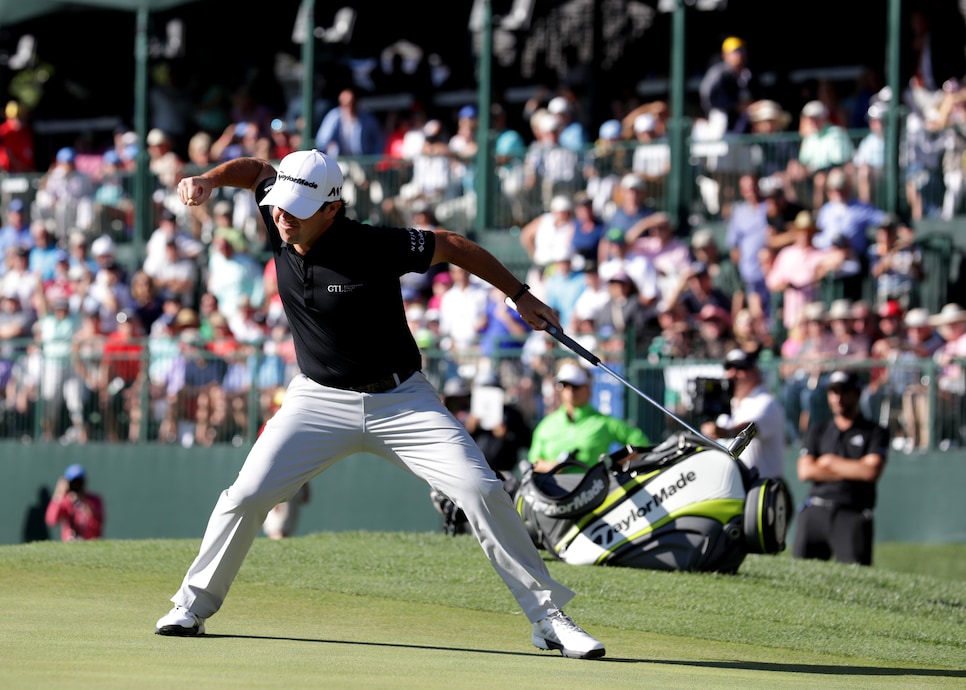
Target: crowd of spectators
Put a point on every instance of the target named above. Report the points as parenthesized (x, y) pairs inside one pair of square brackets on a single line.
[(191, 333)]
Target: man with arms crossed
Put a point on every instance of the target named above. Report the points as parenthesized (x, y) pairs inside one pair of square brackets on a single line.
[(843, 458), (360, 388)]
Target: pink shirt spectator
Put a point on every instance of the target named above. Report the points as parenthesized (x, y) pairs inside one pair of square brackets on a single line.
[(795, 273)]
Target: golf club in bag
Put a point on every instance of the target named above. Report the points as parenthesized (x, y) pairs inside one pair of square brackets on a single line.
[(688, 503)]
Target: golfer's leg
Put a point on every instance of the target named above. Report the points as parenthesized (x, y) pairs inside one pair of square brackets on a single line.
[(431, 444), (298, 442)]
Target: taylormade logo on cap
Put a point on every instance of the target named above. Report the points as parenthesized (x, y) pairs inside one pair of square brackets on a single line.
[(305, 181)]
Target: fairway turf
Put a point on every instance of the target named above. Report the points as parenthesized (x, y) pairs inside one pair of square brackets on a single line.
[(374, 610)]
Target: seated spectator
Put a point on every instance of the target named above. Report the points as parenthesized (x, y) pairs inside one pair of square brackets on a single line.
[(572, 134), (767, 117), (550, 168), (178, 276), (824, 146), (562, 288), (168, 230), (64, 193), (630, 208), (921, 343), (602, 168), (55, 330), (951, 380), (121, 378), (803, 392), (81, 388), (109, 294), (724, 274), (627, 310), (145, 299), (651, 160), (950, 124), (548, 237), (696, 291), (895, 265), (589, 230), (232, 271), (845, 222), (780, 214), (881, 399), (462, 312), (45, 253), (850, 344), (19, 280), (715, 337), (16, 231), (654, 239), (192, 384), (869, 158), (797, 271), (78, 249), (348, 130)]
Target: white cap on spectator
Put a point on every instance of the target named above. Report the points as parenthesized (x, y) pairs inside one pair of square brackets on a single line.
[(561, 203), (558, 105), (102, 246), (917, 318), (645, 122), (572, 374), (157, 137), (815, 109), (632, 181)]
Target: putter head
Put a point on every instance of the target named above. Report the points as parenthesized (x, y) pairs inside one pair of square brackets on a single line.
[(741, 441)]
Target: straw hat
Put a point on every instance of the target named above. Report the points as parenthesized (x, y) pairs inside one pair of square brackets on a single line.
[(951, 313), (764, 111)]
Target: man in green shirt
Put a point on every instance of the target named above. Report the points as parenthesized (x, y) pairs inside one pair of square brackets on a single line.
[(577, 426)]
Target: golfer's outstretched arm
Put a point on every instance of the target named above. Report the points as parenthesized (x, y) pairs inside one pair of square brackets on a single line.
[(453, 248), (243, 173)]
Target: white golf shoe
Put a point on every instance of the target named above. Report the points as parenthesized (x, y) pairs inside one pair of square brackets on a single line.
[(180, 622), (558, 631)]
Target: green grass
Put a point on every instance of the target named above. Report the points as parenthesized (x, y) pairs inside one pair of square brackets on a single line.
[(399, 610)]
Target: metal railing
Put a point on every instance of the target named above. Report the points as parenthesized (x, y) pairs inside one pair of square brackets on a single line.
[(194, 397)]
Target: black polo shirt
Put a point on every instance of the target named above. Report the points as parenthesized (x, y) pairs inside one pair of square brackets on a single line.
[(860, 439), (343, 299)]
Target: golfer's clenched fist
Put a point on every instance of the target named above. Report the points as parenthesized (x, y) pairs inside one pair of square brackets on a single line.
[(194, 191)]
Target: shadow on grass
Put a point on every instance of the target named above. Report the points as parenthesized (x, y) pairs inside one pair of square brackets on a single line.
[(816, 669)]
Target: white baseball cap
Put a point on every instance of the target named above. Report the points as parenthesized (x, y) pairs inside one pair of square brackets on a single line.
[(305, 181), (572, 374)]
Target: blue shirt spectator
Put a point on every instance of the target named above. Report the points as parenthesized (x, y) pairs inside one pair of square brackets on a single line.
[(843, 216), (15, 232), (348, 131), (746, 236)]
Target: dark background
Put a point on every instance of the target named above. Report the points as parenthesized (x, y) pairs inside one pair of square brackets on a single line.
[(88, 57)]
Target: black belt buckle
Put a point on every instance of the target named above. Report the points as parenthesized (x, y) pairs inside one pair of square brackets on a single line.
[(384, 384)]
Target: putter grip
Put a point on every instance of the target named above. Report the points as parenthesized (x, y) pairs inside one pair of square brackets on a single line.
[(569, 342)]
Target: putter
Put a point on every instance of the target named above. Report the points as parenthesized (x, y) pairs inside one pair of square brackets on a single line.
[(741, 440)]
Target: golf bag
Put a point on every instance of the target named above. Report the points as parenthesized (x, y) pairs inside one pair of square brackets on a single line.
[(681, 505)]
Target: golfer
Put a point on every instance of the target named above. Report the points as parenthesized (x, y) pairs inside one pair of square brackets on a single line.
[(360, 389)]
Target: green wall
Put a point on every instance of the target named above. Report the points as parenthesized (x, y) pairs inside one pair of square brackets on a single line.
[(168, 492)]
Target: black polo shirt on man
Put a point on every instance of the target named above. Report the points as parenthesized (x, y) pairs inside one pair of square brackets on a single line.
[(860, 439), (343, 299)]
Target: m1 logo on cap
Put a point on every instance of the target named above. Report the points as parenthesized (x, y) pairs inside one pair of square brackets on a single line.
[(336, 192)]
